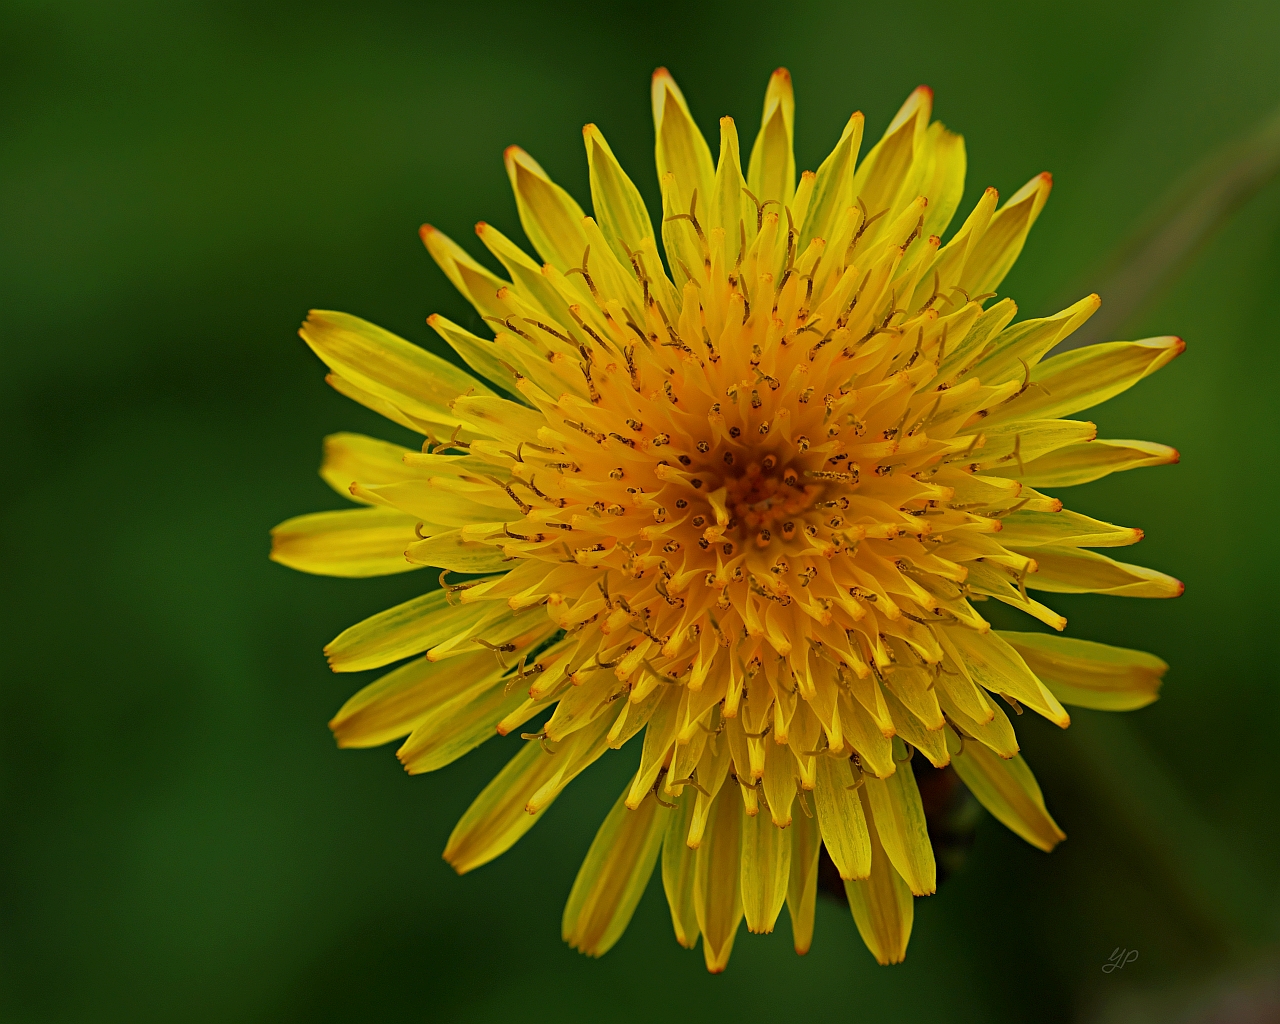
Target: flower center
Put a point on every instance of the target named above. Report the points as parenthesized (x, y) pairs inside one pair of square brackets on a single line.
[(765, 500)]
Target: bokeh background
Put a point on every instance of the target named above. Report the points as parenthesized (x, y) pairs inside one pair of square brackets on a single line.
[(180, 181)]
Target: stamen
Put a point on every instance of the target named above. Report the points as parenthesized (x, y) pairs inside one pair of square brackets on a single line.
[(586, 275)]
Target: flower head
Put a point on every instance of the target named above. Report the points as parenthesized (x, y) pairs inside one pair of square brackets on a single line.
[(738, 509)]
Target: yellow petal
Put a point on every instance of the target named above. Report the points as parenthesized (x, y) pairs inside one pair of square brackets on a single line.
[(766, 871), (500, 419), (459, 725), (913, 686), (482, 356), (354, 542), (943, 274), (929, 742), (779, 782), (1084, 463), (713, 769), (717, 894), (943, 183), (435, 501), (527, 276), (496, 818), (392, 706), (498, 626), (885, 176), (882, 905), (771, 173), (1075, 571), (549, 215), (840, 818), (1063, 529), (613, 876), (1007, 789), (988, 661), (802, 888), (407, 629), (990, 726), (1088, 674), (680, 148), (1085, 377), (408, 378), (618, 206), (1005, 443), (899, 817), (581, 705), (478, 285), (659, 737), (449, 550), (1000, 245), (726, 202), (378, 404), (833, 185), (678, 870), (574, 756), (1013, 349), (351, 457)]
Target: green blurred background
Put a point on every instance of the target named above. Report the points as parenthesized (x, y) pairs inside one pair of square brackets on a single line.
[(179, 182)]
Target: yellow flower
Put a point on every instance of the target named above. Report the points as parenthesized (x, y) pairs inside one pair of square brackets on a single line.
[(743, 505)]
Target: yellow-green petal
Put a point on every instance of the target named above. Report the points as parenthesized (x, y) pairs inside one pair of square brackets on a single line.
[(497, 818), (992, 664), (899, 817), (1084, 463), (407, 629), (678, 863), (478, 284), (1006, 788), (618, 206), (393, 705), (1089, 674), (412, 380), (771, 172), (766, 871), (717, 894), (1000, 245), (802, 888), (613, 876), (354, 457), (549, 215), (882, 904), (1085, 377), (1076, 571), (840, 818), (354, 542)]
